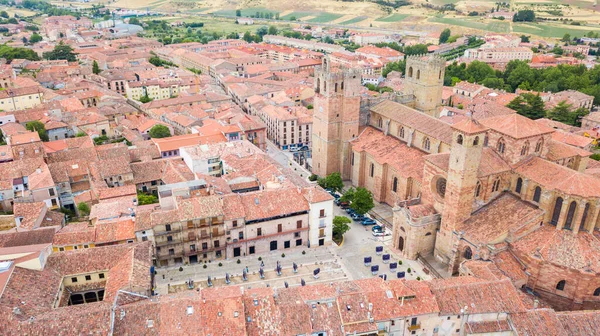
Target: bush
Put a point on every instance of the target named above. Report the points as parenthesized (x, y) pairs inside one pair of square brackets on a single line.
[(239, 261), (419, 278), (303, 252), (220, 264), (83, 208), (595, 157), (283, 255), (313, 177), (259, 258), (400, 262), (180, 268), (408, 270), (204, 266)]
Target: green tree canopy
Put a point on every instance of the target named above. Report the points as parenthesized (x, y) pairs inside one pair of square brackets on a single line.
[(35, 38), (529, 105), (348, 196), (362, 202), (37, 126), (10, 53), (341, 225), (332, 181), (562, 112), (84, 209), (95, 68), (445, 35), (61, 51), (159, 131), (272, 30)]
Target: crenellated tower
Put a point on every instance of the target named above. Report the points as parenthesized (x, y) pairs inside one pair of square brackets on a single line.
[(424, 79), (335, 118)]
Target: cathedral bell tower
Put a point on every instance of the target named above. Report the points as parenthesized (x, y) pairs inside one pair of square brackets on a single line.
[(335, 118), (458, 192), (424, 79)]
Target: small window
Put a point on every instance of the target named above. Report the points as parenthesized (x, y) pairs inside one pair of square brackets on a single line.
[(561, 285), (234, 223), (372, 170), (168, 227), (322, 213), (259, 232), (299, 224), (279, 227), (101, 275), (459, 139), (74, 279), (61, 249), (88, 278)]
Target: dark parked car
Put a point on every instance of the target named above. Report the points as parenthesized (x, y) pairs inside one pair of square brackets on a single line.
[(368, 221), (357, 217)]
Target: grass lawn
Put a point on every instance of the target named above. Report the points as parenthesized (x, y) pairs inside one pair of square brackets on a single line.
[(245, 12), (354, 20), (494, 26), (325, 17), (546, 30), (393, 18)]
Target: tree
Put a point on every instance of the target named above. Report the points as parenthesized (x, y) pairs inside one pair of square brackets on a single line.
[(562, 112), (348, 196), (35, 38), (445, 35), (80, 134), (135, 21), (37, 126), (84, 209), (4, 14), (262, 31), (144, 199), (340, 226), (238, 12), (159, 131), (248, 37), (526, 15), (145, 99), (24, 39), (95, 68), (362, 201), (272, 30), (332, 181), (61, 51), (566, 37), (524, 38)]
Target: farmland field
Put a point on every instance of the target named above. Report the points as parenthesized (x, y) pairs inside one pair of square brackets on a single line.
[(324, 17), (547, 30), (354, 20), (244, 12), (393, 18)]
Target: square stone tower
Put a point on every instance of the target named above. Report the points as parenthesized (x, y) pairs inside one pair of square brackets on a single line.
[(335, 118), (424, 79)]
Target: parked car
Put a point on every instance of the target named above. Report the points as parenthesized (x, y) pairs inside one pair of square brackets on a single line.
[(349, 211), (377, 228), (381, 233), (368, 221), (357, 217), (344, 205)]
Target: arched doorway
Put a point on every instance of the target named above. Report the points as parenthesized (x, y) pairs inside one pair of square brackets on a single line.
[(557, 209), (401, 244), (468, 253)]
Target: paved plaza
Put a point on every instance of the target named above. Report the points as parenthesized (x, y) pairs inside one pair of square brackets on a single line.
[(336, 263)]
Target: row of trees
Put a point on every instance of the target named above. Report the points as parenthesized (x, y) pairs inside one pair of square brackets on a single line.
[(532, 106), (519, 75)]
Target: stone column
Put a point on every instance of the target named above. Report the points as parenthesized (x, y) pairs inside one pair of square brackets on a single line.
[(563, 213), (578, 216)]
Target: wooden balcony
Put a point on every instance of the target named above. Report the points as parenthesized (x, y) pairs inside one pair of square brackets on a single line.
[(414, 327)]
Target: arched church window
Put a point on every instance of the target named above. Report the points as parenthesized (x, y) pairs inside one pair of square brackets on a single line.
[(557, 208), (537, 194), (538, 146), (525, 148), (597, 292), (410, 72), (561, 285), (519, 185), (570, 215), (478, 189), (485, 141), (584, 217), (496, 185), (440, 187), (500, 146), (426, 144), (395, 184), (418, 74), (372, 170), (476, 141), (468, 253), (459, 139), (335, 87)]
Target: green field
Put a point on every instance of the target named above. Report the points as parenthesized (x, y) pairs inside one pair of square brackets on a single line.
[(354, 20), (546, 30), (393, 18), (245, 12), (325, 17), (494, 26), (297, 15)]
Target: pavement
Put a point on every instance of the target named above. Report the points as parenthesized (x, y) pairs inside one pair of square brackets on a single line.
[(285, 158), (335, 262)]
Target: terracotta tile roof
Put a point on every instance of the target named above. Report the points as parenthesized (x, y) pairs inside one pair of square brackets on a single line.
[(469, 126), (558, 150), (504, 215), (538, 322), (11, 128), (34, 237), (316, 194), (115, 231), (479, 297), (69, 143), (75, 234), (148, 171), (113, 166), (128, 191), (268, 204), (561, 247), (483, 327), (414, 119), (30, 212), (41, 178), (491, 163), (90, 319), (24, 138), (515, 126), (580, 323), (406, 161), (556, 177), (264, 315), (572, 139), (508, 264)]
